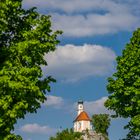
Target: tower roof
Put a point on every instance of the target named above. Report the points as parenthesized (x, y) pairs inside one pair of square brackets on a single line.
[(83, 116), (80, 102)]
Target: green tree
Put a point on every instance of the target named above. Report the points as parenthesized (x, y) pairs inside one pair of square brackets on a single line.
[(124, 87), (101, 123), (25, 36), (67, 135)]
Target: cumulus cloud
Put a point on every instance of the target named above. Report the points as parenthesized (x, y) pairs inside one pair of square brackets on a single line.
[(94, 24), (71, 63), (38, 129), (92, 107), (96, 107), (54, 101), (59, 103), (72, 6), (82, 18), (132, 5)]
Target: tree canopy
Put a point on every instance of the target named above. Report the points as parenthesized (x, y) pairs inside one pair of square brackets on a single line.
[(101, 123), (124, 86), (25, 36), (68, 134)]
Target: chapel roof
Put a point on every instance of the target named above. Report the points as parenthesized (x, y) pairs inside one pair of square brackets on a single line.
[(83, 116)]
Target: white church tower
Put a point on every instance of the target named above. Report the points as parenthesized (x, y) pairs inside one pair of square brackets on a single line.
[(82, 121), (80, 107)]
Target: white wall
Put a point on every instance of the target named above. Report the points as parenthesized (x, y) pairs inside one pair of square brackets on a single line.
[(79, 126)]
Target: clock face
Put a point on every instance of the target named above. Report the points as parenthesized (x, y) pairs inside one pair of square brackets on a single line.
[(80, 106)]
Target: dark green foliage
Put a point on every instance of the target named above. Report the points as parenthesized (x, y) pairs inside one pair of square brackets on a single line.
[(25, 36), (67, 135), (124, 87), (101, 123)]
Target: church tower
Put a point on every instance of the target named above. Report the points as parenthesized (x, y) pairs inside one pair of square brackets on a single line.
[(82, 121), (80, 107)]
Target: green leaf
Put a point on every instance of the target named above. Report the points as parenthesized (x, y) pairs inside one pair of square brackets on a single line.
[(25, 37), (124, 86)]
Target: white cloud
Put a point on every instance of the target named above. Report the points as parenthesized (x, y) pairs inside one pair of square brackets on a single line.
[(57, 102), (91, 107), (54, 101), (96, 107), (71, 6), (94, 24), (71, 63), (133, 6), (82, 18), (37, 129)]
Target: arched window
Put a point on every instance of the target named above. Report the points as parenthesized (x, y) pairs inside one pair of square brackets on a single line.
[(79, 125)]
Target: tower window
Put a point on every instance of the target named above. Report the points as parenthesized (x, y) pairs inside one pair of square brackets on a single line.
[(79, 126)]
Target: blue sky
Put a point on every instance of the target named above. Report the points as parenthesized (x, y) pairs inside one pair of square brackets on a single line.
[(95, 32)]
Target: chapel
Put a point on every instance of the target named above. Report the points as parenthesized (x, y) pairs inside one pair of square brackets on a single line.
[(82, 121), (82, 124)]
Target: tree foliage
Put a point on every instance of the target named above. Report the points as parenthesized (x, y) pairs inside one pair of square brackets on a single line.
[(25, 36), (101, 123), (124, 86), (67, 135)]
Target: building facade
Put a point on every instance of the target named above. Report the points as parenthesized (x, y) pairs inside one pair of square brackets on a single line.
[(82, 124), (82, 121)]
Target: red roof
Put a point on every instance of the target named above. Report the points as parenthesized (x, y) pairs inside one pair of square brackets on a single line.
[(83, 116)]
